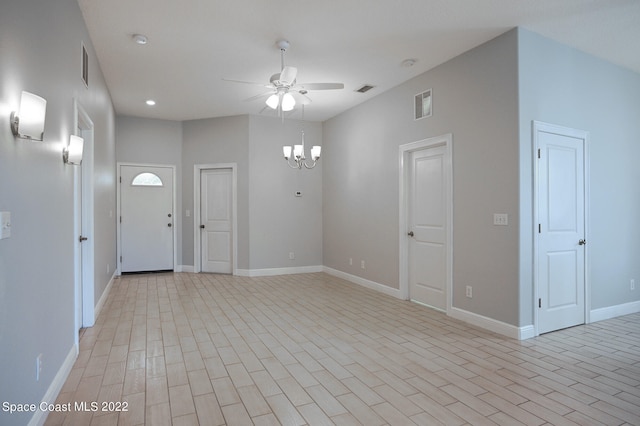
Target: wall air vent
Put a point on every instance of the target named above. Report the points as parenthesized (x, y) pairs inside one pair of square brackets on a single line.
[(423, 104), (365, 88), (85, 66)]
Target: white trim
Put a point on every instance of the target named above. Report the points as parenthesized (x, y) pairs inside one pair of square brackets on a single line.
[(389, 291), (609, 312), (270, 272), (578, 134), (403, 154), (174, 201), (493, 325), (39, 417), (197, 169), (185, 268)]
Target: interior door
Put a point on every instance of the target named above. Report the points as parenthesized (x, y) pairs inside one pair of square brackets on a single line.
[(146, 216), (561, 228), (428, 227), (216, 215)]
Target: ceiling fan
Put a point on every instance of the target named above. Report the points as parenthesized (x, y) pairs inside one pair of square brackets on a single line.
[(284, 91)]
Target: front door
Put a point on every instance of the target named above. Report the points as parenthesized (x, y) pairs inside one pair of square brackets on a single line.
[(428, 227), (146, 216), (561, 226), (216, 213)]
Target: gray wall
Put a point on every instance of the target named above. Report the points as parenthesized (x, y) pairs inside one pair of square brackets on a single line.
[(216, 140), (280, 222), (158, 142), (40, 50), (475, 99), (564, 86)]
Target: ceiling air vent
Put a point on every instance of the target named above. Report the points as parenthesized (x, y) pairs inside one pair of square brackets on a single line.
[(422, 102), (365, 88)]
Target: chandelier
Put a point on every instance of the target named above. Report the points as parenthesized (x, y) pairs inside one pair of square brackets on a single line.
[(299, 158)]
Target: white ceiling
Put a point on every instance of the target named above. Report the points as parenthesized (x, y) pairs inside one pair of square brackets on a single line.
[(195, 44)]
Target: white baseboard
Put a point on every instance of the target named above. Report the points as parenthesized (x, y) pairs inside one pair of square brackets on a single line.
[(278, 271), (393, 292), (609, 312), (184, 268), (493, 325), (103, 298), (51, 395)]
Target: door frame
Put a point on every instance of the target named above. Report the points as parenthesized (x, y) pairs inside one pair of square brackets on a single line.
[(536, 127), (84, 314), (404, 152), (197, 237), (176, 222)]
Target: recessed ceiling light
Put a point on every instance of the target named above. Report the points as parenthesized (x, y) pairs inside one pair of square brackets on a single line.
[(140, 38), (150, 102)]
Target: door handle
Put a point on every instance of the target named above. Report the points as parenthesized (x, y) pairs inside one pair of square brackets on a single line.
[(410, 233), (201, 226), (81, 238), (582, 242)]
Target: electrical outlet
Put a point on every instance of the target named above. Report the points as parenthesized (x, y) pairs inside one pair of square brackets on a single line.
[(38, 367), (362, 264), (108, 268), (292, 255), (351, 261), (633, 284), (469, 292)]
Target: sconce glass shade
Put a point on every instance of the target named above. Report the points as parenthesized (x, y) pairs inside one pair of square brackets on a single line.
[(315, 152), (72, 154), (272, 101), (298, 151), (286, 151), (288, 102), (28, 122)]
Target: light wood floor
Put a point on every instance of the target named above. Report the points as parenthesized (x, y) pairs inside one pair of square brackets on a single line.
[(313, 349)]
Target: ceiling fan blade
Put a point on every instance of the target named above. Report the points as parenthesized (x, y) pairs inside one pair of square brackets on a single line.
[(301, 98), (320, 86), (261, 95), (288, 75), (249, 82)]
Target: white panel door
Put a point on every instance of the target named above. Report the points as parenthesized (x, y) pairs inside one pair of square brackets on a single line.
[(428, 227), (146, 210), (561, 229), (216, 213)]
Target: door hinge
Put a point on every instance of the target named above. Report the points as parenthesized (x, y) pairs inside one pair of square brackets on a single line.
[(121, 176), (539, 303), (120, 219), (538, 157), (120, 259), (539, 229)]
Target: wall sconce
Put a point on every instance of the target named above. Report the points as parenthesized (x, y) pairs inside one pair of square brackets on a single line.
[(28, 122), (72, 154)]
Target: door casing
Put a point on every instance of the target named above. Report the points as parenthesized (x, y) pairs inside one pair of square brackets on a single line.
[(536, 127), (197, 236), (83, 222), (404, 168)]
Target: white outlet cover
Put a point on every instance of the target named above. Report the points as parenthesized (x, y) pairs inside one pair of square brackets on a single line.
[(5, 225), (501, 219)]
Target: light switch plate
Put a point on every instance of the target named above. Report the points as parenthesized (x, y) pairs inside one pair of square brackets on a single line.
[(501, 219), (5, 225)]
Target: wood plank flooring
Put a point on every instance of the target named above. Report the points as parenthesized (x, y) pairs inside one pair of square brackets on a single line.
[(188, 349)]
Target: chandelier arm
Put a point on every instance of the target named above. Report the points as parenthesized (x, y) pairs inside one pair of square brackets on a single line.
[(293, 166), (310, 166)]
